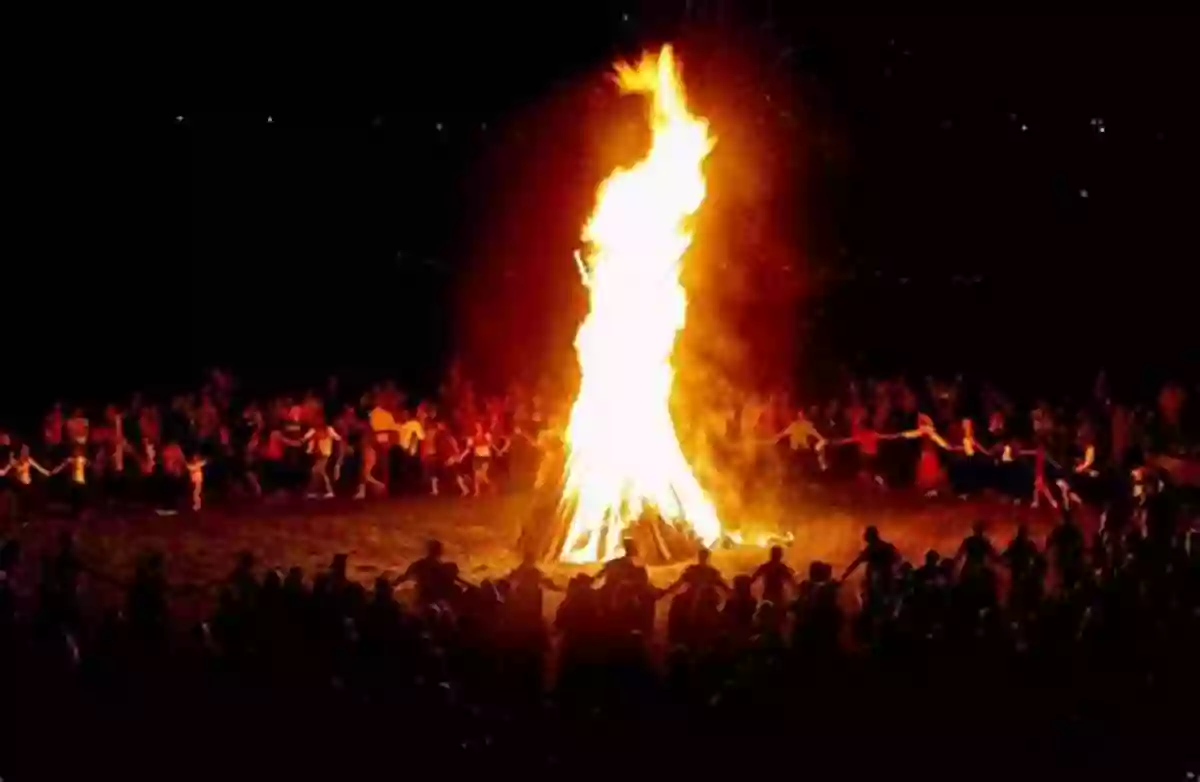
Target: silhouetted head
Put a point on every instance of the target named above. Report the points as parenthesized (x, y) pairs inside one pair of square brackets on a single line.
[(871, 535), (977, 527), (630, 547), (932, 558), (776, 553), (1022, 531), (702, 556), (339, 563), (433, 549)]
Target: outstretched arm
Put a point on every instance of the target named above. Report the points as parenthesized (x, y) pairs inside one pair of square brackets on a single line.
[(862, 557), (407, 575)]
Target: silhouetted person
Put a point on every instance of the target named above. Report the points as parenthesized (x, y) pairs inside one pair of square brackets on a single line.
[(1067, 544), (623, 569), (526, 583), (929, 572), (818, 617), (700, 576), (976, 551), (740, 608), (881, 559), (1020, 554), (242, 582), (434, 579), (776, 577)]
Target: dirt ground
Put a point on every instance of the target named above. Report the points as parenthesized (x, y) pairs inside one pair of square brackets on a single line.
[(480, 535)]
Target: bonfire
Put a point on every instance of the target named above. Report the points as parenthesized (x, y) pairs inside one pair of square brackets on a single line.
[(624, 462)]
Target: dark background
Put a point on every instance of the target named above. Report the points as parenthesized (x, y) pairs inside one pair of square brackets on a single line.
[(1005, 196)]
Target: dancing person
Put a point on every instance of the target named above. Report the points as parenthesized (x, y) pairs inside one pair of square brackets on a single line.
[(881, 559), (550, 445), (385, 431), (369, 446), (77, 484), (866, 439), (173, 471), (77, 429), (806, 445), (1041, 488), (930, 475), (478, 453), (435, 578), (775, 575), (321, 440), (22, 469), (195, 468), (968, 471), (412, 433), (698, 577), (1084, 480), (437, 449)]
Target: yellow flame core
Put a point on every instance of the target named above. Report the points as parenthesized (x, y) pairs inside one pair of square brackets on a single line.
[(623, 452)]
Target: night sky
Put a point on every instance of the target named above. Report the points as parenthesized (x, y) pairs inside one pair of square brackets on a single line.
[(1004, 196)]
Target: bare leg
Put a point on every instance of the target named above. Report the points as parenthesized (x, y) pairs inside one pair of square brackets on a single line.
[(1066, 493), (251, 479), (481, 480), (1040, 489), (327, 483)]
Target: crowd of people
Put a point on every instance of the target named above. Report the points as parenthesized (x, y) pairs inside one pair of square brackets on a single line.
[(1056, 658), (941, 437), (1043, 659)]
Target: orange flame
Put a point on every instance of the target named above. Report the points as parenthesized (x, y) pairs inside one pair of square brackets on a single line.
[(623, 453)]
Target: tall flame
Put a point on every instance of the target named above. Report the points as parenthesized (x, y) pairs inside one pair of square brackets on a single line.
[(623, 454)]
